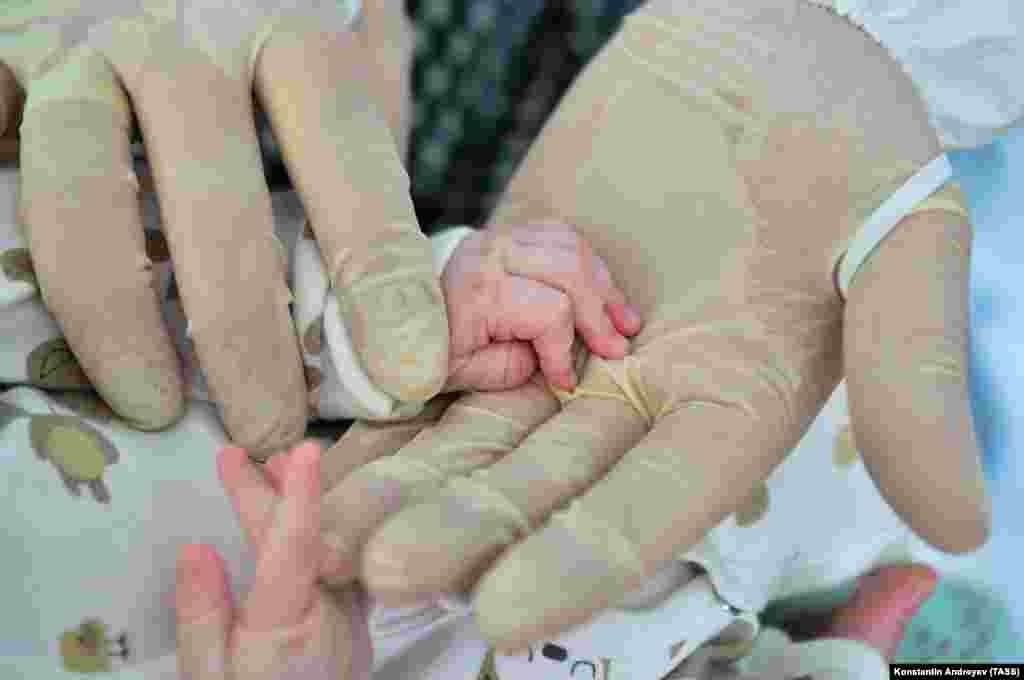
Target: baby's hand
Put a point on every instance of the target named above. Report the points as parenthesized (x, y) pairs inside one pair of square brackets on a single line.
[(516, 297), (288, 627)]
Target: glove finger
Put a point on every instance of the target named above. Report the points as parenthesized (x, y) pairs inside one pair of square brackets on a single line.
[(363, 443), (435, 545), (356, 194), (693, 468), (475, 431), (79, 202), (219, 226), (204, 614), (905, 346), (366, 441), (390, 36)]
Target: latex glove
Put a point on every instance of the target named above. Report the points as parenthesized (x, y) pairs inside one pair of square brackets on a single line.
[(288, 627), (185, 70), (722, 191), (515, 298)]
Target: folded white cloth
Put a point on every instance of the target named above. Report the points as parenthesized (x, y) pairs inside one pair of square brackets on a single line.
[(964, 55)]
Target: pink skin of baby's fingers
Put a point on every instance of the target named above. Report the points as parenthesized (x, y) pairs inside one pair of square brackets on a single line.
[(274, 471), (498, 366), (289, 558), (885, 602), (625, 317), (542, 316), (252, 495), (204, 612), (609, 301), (202, 584)]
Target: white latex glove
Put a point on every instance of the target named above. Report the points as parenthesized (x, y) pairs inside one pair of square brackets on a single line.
[(288, 628), (185, 71), (723, 192)]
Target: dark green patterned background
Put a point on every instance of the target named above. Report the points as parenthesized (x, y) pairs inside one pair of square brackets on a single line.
[(486, 75)]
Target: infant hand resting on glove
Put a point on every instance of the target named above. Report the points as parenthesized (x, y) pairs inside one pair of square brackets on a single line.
[(514, 300), (531, 285)]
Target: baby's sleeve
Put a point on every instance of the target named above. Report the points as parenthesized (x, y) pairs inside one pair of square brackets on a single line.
[(339, 388)]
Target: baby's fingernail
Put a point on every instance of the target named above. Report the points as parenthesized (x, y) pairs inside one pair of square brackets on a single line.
[(631, 315), (569, 381)]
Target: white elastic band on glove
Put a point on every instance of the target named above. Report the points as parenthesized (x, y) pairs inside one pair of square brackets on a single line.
[(926, 182)]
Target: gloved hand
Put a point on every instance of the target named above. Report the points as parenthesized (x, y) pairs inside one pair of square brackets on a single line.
[(723, 192), (184, 71), (288, 626)]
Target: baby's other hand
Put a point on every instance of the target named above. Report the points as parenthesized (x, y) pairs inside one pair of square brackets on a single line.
[(516, 297), (288, 627)]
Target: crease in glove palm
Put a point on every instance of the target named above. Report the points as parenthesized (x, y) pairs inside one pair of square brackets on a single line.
[(185, 73), (721, 160)]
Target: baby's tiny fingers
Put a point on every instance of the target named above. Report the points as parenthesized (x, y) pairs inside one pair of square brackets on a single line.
[(252, 496), (566, 262), (498, 366), (542, 315), (204, 613), (624, 316), (290, 558)]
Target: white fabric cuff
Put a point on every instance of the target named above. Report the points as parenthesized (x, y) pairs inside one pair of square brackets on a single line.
[(671, 632)]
